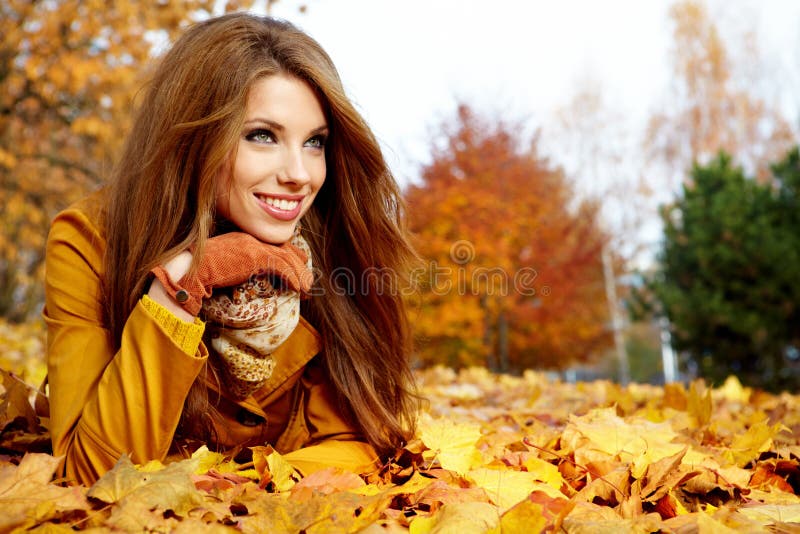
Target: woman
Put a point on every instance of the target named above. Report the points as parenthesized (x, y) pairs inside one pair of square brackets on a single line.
[(171, 294)]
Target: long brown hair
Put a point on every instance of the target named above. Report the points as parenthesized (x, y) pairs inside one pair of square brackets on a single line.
[(162, 198)]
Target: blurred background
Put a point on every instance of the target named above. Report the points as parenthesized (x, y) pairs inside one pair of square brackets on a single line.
[(598, 189)]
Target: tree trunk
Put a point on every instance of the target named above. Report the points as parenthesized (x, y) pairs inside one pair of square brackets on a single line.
[(502, 342), (488, 346)]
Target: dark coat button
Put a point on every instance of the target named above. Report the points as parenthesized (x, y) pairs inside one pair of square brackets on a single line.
[(248, 418), (181, 295)]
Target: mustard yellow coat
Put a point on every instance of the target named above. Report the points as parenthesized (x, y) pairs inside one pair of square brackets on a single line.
[(104, 403)]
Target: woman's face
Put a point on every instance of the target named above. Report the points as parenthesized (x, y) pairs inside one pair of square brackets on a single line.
[(280, 160)]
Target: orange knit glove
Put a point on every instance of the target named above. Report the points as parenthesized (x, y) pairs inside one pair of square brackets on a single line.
[(230, 259)]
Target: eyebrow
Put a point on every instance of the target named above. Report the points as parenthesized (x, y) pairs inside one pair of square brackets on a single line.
[(278, 127)]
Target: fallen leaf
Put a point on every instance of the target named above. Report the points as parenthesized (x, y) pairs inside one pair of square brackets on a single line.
[(768, 514), (326, 481), (544, 471), (700, 403), (733, 391), (453, 444), (662, 476), (274, 469), (507, 488), (523, 518), (634, 440), (171, 488), (28, 498), (459, 518), (15, 404), (441, 493), (749, 446)]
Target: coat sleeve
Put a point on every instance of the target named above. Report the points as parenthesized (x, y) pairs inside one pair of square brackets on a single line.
[(104, 403), (332, 440)]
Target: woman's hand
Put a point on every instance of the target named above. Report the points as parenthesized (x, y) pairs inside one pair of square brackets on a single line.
[(175, 269), (230, 259)]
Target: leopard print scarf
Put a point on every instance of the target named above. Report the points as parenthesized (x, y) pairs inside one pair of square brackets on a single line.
[(246, 323)]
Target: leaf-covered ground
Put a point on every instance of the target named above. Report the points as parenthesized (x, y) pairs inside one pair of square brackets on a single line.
[(494, 453)]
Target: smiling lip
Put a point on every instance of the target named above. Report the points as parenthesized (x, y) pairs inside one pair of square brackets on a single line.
[(275, 211)]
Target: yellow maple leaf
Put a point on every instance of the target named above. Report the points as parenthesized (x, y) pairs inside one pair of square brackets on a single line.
[(506, 487), (207, 460), (453, 444), (733, 391), (150, 467), (748, 446), (459, 518), (544, 471), (524, 518), (283, 474), (274, 468)]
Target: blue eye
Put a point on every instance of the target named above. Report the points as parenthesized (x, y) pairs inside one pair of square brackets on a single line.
[(260, 136)]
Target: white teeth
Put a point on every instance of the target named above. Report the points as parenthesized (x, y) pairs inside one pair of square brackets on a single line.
[(281, 204)]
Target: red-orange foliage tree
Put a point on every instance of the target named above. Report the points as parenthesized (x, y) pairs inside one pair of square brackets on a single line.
[(514, 277)]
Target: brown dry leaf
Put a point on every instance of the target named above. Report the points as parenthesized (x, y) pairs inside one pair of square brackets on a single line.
[(440, 493), (27, 497), (712, 476), (612, 488), (337, 512), (213, 480), (662, 476), (15, 404)]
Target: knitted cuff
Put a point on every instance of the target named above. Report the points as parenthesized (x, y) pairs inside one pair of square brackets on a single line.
[(186, 335)]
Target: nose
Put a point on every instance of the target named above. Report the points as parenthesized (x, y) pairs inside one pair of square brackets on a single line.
[(295, 170)]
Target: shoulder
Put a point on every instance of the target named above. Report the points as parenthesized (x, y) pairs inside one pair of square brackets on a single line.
[(77, 230), (82, 217)]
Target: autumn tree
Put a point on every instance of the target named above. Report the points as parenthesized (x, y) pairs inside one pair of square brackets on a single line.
[(514, 276), (69, 70), (715, 102)]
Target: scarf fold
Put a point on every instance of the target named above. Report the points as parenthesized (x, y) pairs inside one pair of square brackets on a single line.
[(246, 323)]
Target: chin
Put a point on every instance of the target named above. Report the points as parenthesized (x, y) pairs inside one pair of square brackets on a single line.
[(275, 237)]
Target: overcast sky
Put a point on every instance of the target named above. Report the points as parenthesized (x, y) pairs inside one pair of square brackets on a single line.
[(405, 63)]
